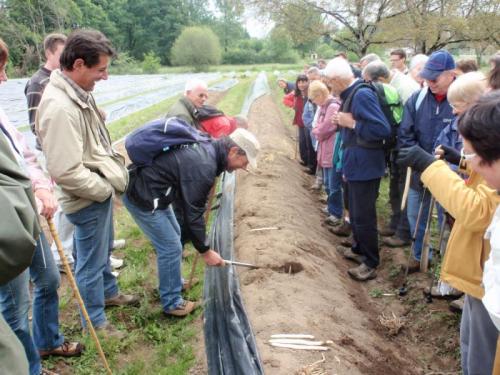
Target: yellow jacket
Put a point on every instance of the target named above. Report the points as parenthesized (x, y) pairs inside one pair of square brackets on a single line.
[(472, 204)]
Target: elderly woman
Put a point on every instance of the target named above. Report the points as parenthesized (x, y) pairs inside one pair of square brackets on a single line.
[(472, 203), (325, 132)]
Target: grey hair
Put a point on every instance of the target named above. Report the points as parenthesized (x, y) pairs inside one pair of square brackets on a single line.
[(417, 60), (194, 84), (339, 68), (376, 70), (369, 58), (313, 70)]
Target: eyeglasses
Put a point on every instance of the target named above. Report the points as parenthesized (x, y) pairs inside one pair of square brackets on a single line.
[(465, 156)]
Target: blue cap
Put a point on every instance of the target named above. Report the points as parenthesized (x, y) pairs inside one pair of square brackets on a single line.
[(439, 62)]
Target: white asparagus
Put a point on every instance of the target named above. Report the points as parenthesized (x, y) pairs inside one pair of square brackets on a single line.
[(261, 229), (291, 336), (300, 347), (301, 342)]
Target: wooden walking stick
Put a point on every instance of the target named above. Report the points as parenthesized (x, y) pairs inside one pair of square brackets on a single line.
[(424, 257), (73, 285), (211, 196), (406, 189)]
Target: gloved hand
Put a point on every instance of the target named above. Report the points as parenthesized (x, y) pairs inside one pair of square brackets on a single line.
[(415, 157), (449, 154)]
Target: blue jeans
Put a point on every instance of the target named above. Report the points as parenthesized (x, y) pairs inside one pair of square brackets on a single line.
[(414, 201), (333, 188), (162, 229), (92, 237), (15, 304)]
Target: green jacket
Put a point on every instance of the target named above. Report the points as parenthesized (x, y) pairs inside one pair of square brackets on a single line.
[(20, 228), (185, 110)]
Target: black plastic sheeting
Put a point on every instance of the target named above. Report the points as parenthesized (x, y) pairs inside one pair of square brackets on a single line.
[(229, 341)]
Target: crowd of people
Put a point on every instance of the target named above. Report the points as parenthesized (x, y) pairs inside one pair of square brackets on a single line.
[(432, 126), (434, 120), (72, 179)]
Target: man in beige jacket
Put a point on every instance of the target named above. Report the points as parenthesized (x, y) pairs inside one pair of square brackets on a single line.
[(87, 171)]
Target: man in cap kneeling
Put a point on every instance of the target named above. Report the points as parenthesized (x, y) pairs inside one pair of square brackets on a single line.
[(184, 174)]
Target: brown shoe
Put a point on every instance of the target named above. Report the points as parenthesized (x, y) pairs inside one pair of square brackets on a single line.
[(347, 253), (413, 266), (122, 300), (386, 231), (395, 242), (186, 286), (347, 242), (185, 308), (108, 331), (343, 230), (67, 349), (362, 272)]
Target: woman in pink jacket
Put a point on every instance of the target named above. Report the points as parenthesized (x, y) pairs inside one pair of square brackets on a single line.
[(325, 132)]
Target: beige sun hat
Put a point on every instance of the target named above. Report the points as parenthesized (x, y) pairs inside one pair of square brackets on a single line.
[(248, 143)]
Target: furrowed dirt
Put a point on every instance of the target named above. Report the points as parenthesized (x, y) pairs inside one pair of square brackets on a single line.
[(316, 296)]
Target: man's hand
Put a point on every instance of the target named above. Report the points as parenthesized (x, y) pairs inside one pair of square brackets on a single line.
[(415, 157), (449, 154), (212, 258), (49, 203), (344, 119)]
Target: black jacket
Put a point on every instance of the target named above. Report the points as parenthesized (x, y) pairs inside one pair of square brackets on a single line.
[(184, 175)]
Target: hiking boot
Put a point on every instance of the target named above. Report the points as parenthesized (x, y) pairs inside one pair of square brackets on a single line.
[(186, 286), (395, 242), (108, 331), (347, 253), (343, 230), (316, 186), (386, 231), (122, 300), (457, 305), (48, 372), (362, 272), (347, 242), (435, 293), (413, 266), (333, 220), (67, 349), (185, 308)]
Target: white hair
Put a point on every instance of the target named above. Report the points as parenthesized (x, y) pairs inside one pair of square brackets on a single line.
[(194, 84), (417, 60), (338, 68)]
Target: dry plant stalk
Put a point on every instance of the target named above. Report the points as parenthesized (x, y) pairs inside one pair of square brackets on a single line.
[(392, 323), (315, 368)]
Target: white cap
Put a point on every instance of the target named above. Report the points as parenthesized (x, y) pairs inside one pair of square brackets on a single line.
[(248, 143)]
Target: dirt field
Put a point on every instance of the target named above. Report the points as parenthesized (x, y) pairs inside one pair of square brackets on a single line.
[(317, 297)]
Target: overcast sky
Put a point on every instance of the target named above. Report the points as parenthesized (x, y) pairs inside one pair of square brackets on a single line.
[(257, 26)]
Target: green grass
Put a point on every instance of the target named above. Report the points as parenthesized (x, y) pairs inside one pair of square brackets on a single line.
[(236, 68), (231, 104)]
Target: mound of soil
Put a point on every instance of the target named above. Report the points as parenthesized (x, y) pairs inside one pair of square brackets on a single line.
[(302, 285)]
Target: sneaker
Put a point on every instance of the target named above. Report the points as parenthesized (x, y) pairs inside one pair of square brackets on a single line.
[(115, 273), (108, 331), (48, 372), (116, 263), (119, 244), (325, 211), (185, 308), (395, 242), (362, 272), (333, 220), (347, 253), (458, 304), (436, 293), (186, 286), (343, 230), (67, 349), (122, 300), (386, 231)]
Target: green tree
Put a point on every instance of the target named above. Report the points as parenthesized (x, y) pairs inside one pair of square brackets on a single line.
[(198, 47), (151, 63)]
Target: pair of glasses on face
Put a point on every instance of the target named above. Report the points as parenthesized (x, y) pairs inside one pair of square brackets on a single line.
[(465, 156)]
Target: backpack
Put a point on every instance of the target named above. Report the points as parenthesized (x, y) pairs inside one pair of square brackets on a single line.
[(158, 136), (392, 109)]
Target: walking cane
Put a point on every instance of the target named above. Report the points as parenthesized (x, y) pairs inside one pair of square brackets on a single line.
[(424, 257), (428, 293), (211, 196), (73, 285), (403, 290), (406, 189)]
